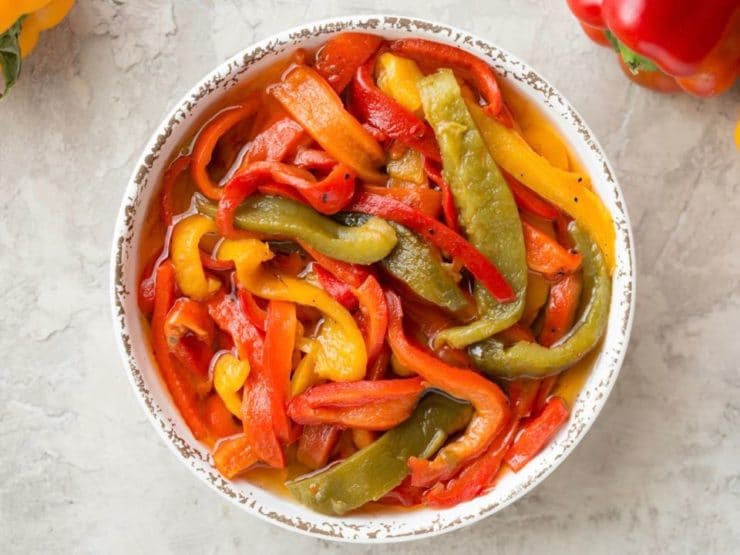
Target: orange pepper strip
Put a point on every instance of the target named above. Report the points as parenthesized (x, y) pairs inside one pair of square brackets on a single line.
[(351, 274), (316, 444), (169, 179), (274, 143), (195, 352), (374, 316), (536, 433), (220, 420), (425, 200), (318, 108), (491, 405), (546, 256), (234, 455), (340, 57), (560, 312), (280, 336), (256, 314), (206, 141), (182, 391)]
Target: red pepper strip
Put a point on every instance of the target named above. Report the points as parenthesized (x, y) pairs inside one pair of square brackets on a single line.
[(536, 433), (378, 368), (336, 288), (425, 200), (376, 133), (381, 111), (491, 405), (210, 263), (280, 336), (522, 395), (256, 314), (233, 456), (449, 212), (351, 274), (279, 190), (207, 139), (182, 391), (327, 196), (560, 311), (440, 235), (220, 420), (338, 59), (274, 143), (316, 444), (373, 316), (529, 201), (404, 494), (257, 406), (543, 393), (315, 105), (476, 477), (179, 165), (368, 405), (546, 256), (444, 54), (313, 159), (189, 316), (561, 231)]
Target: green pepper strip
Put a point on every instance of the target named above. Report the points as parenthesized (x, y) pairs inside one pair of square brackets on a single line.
[(531, 360), (486, 207), (419, 265), (279, 217), (378, 468)]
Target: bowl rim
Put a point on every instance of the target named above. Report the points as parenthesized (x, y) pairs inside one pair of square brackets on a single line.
[(240, 62)]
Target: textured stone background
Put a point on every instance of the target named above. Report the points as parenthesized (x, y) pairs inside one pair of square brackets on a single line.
[(81, 470)]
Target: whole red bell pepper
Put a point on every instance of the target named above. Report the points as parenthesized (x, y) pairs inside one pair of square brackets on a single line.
[(696, 43)]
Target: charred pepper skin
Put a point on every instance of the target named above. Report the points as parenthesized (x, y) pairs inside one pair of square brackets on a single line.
[(531, 360), (487, 211), (378, 468)]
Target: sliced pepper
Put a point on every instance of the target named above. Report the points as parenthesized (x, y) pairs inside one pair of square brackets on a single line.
[(284, 218), (451, 56), (486, 208), (229, 375), (567, 190), (190, 317), (316, 444), (491, 405), (304, 376), (315, 105), (546, 256), (338, 59), (397, 77), (248, 256), (375, 470), (532, 360), (191, 278), (425, 200), (561, 308), (336, 287), (384, 113), (280, 337), (441, 236), (368, 405), (179, 165), (373, 316), (529, 201), (449, 211), (234, 455), (220, 420), (536, 433), (274, 143)]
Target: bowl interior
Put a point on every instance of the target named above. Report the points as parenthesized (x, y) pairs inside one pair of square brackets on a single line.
[(198, 105)]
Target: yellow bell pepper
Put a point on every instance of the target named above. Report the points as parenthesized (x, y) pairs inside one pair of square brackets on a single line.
[(189, 273), (12, 10), (545, 142), (397, 76), (229, 375), (304, 375), (39, 20), (340, 339), (567, 190)]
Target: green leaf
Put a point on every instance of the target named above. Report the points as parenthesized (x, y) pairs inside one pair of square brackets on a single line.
[(10, 56), (634, 61)]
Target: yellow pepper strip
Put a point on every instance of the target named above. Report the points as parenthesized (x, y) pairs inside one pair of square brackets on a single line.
[(304, 375), (11, 10), (189, 273), (229, 375), (342, 331), (567, 190), (397, 76), (570, 383), (545, 142), (42, 19)]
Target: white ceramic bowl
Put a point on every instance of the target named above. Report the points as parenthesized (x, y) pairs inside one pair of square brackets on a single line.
[(138, 362)]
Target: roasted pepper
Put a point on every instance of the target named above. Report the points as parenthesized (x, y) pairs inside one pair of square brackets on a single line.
[(340, 57), (274, 143), (191, 278), (21, 22), (536, 433), (397, 77), (280, 337), (229, 375), (491, 405), (248, 256), (486, 208), (375, 470), (315, 105), (190, 333), (566, 190), (524, 359), (277, 217), (695, 43)]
